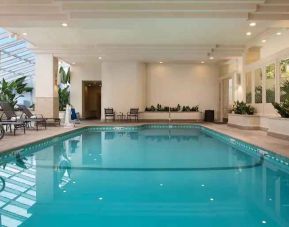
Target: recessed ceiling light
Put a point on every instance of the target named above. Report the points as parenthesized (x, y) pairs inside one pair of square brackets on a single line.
[(252, 24), (248, 33), (161, 62), (212, 58), (24, 33), (278, 33), (264, 222), (99, 58), (202, 62), (64, 24), (264, 41)]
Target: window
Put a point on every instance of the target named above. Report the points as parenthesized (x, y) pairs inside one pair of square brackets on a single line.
[(16, 61), (258, 86), (248, 88), (284, 80), (270, 83)]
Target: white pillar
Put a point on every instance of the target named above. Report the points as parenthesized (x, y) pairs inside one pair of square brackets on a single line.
[(46, 89)]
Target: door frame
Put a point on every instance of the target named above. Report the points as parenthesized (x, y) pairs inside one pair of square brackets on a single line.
[(84, 83)]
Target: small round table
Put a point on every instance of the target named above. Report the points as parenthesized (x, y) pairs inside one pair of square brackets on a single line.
[(121, 116)]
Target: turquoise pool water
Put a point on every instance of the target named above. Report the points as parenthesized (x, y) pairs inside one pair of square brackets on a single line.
[(143, 176)]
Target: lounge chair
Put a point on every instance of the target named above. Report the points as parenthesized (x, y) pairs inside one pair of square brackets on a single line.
[(9, 118), (2, 131), (108, 112), (37, 119), (133, 113)]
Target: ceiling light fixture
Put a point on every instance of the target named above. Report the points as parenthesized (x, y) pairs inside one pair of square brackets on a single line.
[(99, 58), (248, 33), (64, 24), (278, 33), (161, 62), (211, 58), (202, 62), (264, 41), (252, 24), (24, 33), (73, 63)]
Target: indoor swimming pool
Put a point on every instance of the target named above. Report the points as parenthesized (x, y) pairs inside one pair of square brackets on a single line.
[(143, 176)]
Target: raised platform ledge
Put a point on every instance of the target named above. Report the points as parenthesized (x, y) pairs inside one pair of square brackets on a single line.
[(275, 126), (196, 116)]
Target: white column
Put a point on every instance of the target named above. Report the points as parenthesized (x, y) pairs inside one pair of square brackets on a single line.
[(46, 89)]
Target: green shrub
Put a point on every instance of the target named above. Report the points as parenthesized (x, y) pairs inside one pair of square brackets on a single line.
[(282, 108), (242, 108)]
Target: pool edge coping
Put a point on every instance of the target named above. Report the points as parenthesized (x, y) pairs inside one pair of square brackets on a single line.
[(274, 156)]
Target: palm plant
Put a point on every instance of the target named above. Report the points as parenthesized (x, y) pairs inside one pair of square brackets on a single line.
[(64, 88), (64, 76), (12, 91), (64, 96)]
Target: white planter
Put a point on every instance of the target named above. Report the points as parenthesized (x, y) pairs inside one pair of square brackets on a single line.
[(174, 116), (244, 121), (61, 116), (278, 127)]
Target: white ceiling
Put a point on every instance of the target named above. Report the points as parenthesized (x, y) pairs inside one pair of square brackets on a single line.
[(144, 30)]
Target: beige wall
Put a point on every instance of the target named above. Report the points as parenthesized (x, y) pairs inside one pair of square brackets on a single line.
[(184, 84), (79, 73), (132, 84), (123, 85)]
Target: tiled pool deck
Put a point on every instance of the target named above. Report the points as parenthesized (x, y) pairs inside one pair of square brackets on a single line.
[(255, 137)]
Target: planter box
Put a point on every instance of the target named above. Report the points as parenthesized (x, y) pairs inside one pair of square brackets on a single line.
[(197, 116), (244, 121), (61, 116), (278, 127)]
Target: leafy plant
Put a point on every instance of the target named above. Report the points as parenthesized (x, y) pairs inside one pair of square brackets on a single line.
[(178, 108), (242, 108), (64, 88), (282, 108), (284, 91), (12, 91), (64, 76), (64, 95)]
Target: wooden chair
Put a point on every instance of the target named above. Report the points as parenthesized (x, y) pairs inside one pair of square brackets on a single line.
[(109, 113), (133, 113)]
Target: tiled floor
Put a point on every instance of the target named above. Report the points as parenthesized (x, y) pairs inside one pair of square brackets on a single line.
[(255, 137)]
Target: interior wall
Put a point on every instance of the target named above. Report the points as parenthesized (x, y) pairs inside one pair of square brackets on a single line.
[(79, 73), (123, 86), (184, 84)]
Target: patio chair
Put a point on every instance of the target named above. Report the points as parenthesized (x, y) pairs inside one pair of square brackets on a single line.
[(133, 113), (109, 113), (37, 119), (11, 119)]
